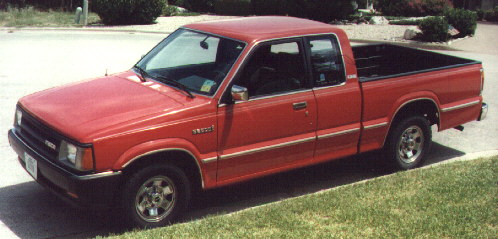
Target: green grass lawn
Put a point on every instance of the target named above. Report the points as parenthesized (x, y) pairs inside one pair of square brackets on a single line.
[(30, 17), (457, 200)]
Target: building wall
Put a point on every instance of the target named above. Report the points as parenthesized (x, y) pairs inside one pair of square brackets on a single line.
[(488, 4)]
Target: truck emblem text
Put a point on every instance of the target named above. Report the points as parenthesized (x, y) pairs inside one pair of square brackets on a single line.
[(203, 130), (50, 144)]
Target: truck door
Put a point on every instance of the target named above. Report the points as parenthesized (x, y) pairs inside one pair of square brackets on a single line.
[(275, 128), (338, 99)]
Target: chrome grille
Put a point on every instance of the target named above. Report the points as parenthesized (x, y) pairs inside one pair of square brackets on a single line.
[(39, 136)]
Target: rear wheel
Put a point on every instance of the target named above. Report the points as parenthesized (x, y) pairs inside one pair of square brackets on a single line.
[(155, 195), (408, 143)]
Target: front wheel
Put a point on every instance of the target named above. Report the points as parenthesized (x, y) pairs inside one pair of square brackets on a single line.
[(155, 195), (408, 143)]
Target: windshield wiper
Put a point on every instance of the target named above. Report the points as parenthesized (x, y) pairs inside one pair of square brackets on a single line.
[(177, 84), (142, 73)]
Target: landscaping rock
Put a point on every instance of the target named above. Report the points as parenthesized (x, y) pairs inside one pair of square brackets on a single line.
[(411, 33), (378, 20), (181, 10)]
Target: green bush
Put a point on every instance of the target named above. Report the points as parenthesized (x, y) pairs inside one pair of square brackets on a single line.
[(232, 7), (413, 8), (491, 15), (327, 11), (169, 10), (463, 20), (436, 7), (480, 14), (434, 29), (121, 12), (319, 10), (275, 7)]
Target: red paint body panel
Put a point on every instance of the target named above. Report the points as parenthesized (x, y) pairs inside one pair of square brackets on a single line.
[(261, 123), (339, 114), (125, 119), (383, 98), (254, 29)]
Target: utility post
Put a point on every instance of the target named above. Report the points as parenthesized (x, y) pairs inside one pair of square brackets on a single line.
[(85, 12)]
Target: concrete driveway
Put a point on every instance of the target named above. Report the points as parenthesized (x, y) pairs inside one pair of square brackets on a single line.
[(36, 60), (485, 40)]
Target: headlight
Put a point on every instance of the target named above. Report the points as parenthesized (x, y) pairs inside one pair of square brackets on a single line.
[(18, 117), (76, 157)]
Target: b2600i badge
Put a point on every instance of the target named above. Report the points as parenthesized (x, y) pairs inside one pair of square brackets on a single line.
[(203, 130)]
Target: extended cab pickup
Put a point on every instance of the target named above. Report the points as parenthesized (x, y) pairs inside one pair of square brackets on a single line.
[(221, 102)]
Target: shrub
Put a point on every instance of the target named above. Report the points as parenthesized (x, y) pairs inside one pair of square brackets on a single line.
[(480, 14), (169, 10), (463, 20), (436, 7), (120, 12), (434, 29), (273, 7), (327, 11), (319, 10), (232, 7), (491, 15), (413, 8)]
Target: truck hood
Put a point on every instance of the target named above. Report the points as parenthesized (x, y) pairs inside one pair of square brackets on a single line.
[(86, 108)]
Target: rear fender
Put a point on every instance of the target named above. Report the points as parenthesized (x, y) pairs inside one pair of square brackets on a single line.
[(411, 98)]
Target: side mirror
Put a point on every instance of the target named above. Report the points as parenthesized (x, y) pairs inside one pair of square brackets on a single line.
[(239, 93)]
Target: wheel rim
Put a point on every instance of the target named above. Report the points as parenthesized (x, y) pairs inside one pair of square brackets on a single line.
[(155, 199), (411, 144)]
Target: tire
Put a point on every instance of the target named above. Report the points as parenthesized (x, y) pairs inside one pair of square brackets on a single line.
[(408, 143), (155, 195)]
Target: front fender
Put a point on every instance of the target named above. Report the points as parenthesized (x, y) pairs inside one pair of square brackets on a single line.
[(154, 146)]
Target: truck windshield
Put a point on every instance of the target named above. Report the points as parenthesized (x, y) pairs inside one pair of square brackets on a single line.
[(198, 61)]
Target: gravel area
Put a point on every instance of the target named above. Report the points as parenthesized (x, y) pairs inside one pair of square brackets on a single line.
[(363, 32), (164, 24), (375, 32)]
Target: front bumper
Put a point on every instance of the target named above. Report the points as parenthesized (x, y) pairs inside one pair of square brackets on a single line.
[(484, 111), (89, 191)]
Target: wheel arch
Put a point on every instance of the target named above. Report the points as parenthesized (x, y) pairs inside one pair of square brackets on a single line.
[(172, 151), (424, 106), (181, 158)]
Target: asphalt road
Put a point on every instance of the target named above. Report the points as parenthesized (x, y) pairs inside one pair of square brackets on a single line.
[(35, 60)]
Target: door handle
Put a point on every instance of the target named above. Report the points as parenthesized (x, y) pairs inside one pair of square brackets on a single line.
[(300, 105)]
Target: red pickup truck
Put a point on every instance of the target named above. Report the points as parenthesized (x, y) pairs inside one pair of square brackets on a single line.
[(217, 103)]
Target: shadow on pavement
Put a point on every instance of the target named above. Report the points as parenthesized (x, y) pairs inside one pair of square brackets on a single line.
[(30, 211)]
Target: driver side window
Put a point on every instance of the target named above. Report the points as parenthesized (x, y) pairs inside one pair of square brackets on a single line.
[(326, 61), (274, 68)]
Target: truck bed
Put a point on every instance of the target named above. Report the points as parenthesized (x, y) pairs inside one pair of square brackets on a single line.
[(379, 61)]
